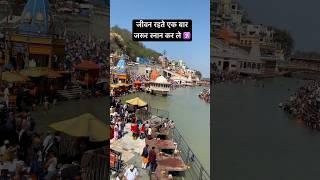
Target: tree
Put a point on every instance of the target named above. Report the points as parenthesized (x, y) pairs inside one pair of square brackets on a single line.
[(284, 38), (123, 40), (198, 73), (245, 18)]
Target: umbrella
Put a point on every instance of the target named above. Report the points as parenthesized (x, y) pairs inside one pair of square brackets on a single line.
[(35, 72), (13, 77), (85, 125), (123, 84), (100, 81), (114, 86), (136, 102)]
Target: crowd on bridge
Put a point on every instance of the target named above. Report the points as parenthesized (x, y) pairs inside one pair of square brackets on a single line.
[(305, 104)]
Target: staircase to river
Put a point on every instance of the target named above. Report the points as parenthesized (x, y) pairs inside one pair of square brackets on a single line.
[(75, 92)]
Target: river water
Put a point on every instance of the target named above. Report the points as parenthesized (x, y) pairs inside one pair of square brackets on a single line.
[(256, 140), (191, 116)]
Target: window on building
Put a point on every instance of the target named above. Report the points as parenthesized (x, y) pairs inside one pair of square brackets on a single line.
[(244, 65), (219, 63), (240, 64), (258, 66), (253, 65), (233, 65)]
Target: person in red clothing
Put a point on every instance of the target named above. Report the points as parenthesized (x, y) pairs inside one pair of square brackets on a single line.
[(134, 129), (152, 160), (142, 131)]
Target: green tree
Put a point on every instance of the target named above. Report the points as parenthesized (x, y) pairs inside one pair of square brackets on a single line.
[(198, 73), (132, 48), (245, 18), (284, 38)]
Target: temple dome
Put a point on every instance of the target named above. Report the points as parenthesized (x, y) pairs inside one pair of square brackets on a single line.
[(161, 80), (35, 17)]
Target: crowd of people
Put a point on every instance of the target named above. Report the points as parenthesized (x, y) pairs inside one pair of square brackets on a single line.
[(80, 46), (305, 104), (123, 114), (205, 95), (223, 76), (136, 77), (24, 152)]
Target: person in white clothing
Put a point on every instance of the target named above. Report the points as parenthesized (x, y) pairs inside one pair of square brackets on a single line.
[(6, 95), (51, 166), (149, 134), (131, 173)]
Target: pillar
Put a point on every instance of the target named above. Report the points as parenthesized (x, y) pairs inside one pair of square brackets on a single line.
[(49, 62)]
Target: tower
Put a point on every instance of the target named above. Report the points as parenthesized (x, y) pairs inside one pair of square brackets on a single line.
[(35, 18)]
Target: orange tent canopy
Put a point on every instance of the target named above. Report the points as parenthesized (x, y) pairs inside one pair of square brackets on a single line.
[(154, 75), (137, 82), (87, 65)]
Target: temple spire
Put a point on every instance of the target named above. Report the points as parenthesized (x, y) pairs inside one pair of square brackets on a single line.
[(35, 17)]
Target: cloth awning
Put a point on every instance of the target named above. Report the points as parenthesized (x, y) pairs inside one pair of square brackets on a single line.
[(41, 71), (136, 102), (85, 125), (87, 65), (13, 77)]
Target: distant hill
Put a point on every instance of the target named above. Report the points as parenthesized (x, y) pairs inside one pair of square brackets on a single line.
[(121, 40)]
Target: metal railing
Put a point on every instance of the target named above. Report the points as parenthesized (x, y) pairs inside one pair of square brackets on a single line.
[(159, 112), (196, 170)]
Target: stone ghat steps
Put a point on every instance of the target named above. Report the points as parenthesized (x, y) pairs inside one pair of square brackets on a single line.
[(74, 92)]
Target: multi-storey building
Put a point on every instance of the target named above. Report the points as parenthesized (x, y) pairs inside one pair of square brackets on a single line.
[(225, 13), (249, 33)]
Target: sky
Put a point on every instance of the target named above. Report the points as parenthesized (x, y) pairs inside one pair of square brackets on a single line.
[(196, 53), (300, 18)]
